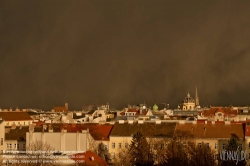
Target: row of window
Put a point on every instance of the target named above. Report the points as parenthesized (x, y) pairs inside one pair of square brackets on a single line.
[(119, 145), (223, 145), (16, 146), (8, 123), (162, 145), (126, 145)]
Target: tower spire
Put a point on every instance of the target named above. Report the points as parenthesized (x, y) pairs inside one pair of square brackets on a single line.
[(196, 97)]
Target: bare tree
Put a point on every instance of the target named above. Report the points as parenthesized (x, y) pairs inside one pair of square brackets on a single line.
[(37, 154), (182, 151)]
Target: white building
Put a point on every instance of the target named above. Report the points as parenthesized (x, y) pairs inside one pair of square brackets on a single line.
[(62, 141)]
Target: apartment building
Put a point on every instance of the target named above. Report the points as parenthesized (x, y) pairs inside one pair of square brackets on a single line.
[(215, 135), (17, 118), (122, 133)]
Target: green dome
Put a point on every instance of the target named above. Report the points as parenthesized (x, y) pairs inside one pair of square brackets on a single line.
[(155, 107)]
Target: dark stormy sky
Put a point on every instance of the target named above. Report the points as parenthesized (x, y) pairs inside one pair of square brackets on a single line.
[(121, 52)]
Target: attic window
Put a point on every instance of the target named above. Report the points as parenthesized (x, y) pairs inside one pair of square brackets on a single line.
[(219, 114)]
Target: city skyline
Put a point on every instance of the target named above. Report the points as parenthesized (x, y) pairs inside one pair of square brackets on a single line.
[(123, 52)]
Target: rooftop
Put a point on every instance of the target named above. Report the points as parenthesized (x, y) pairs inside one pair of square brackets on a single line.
[(147, 129), (15, 116), (216, 130), (17, 133)]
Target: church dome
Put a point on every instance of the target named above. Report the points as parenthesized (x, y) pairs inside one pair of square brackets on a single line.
[(155, 107), (188, 99)]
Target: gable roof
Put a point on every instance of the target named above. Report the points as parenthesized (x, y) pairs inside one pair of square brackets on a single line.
[(147, 129), (97, 131), (17, 133), (225, 110), (89, 158), (15, 116), (60, 109), (217, 130)]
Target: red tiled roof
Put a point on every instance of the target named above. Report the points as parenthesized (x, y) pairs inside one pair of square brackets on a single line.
[(39, 123), (145, 112), (60, 109), (89, 158), (15, 116), (137, 112), (213, 130), (97, 131), (225, 110)]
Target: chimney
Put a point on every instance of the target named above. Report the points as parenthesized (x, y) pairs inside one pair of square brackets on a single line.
[(140, 121), (158, 122), (130, 121), (44, 127), (31, 128), (13, 126), (121, 121), (182, 122)]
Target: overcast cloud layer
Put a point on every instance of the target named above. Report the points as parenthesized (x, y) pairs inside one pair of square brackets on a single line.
[(121, 52)]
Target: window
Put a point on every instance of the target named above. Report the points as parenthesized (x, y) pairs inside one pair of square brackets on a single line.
[(120, 145), (23, 146), (223, 146), (126, 145), (10, 145), (1, 141), (240, 146), (216, 156), (17, 146), (248, 155), (199, 145), (249, 144), (112, 155), (155, 156), (113, 145), (18, 123), (207, 145), (162, 146), (216, 146)]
